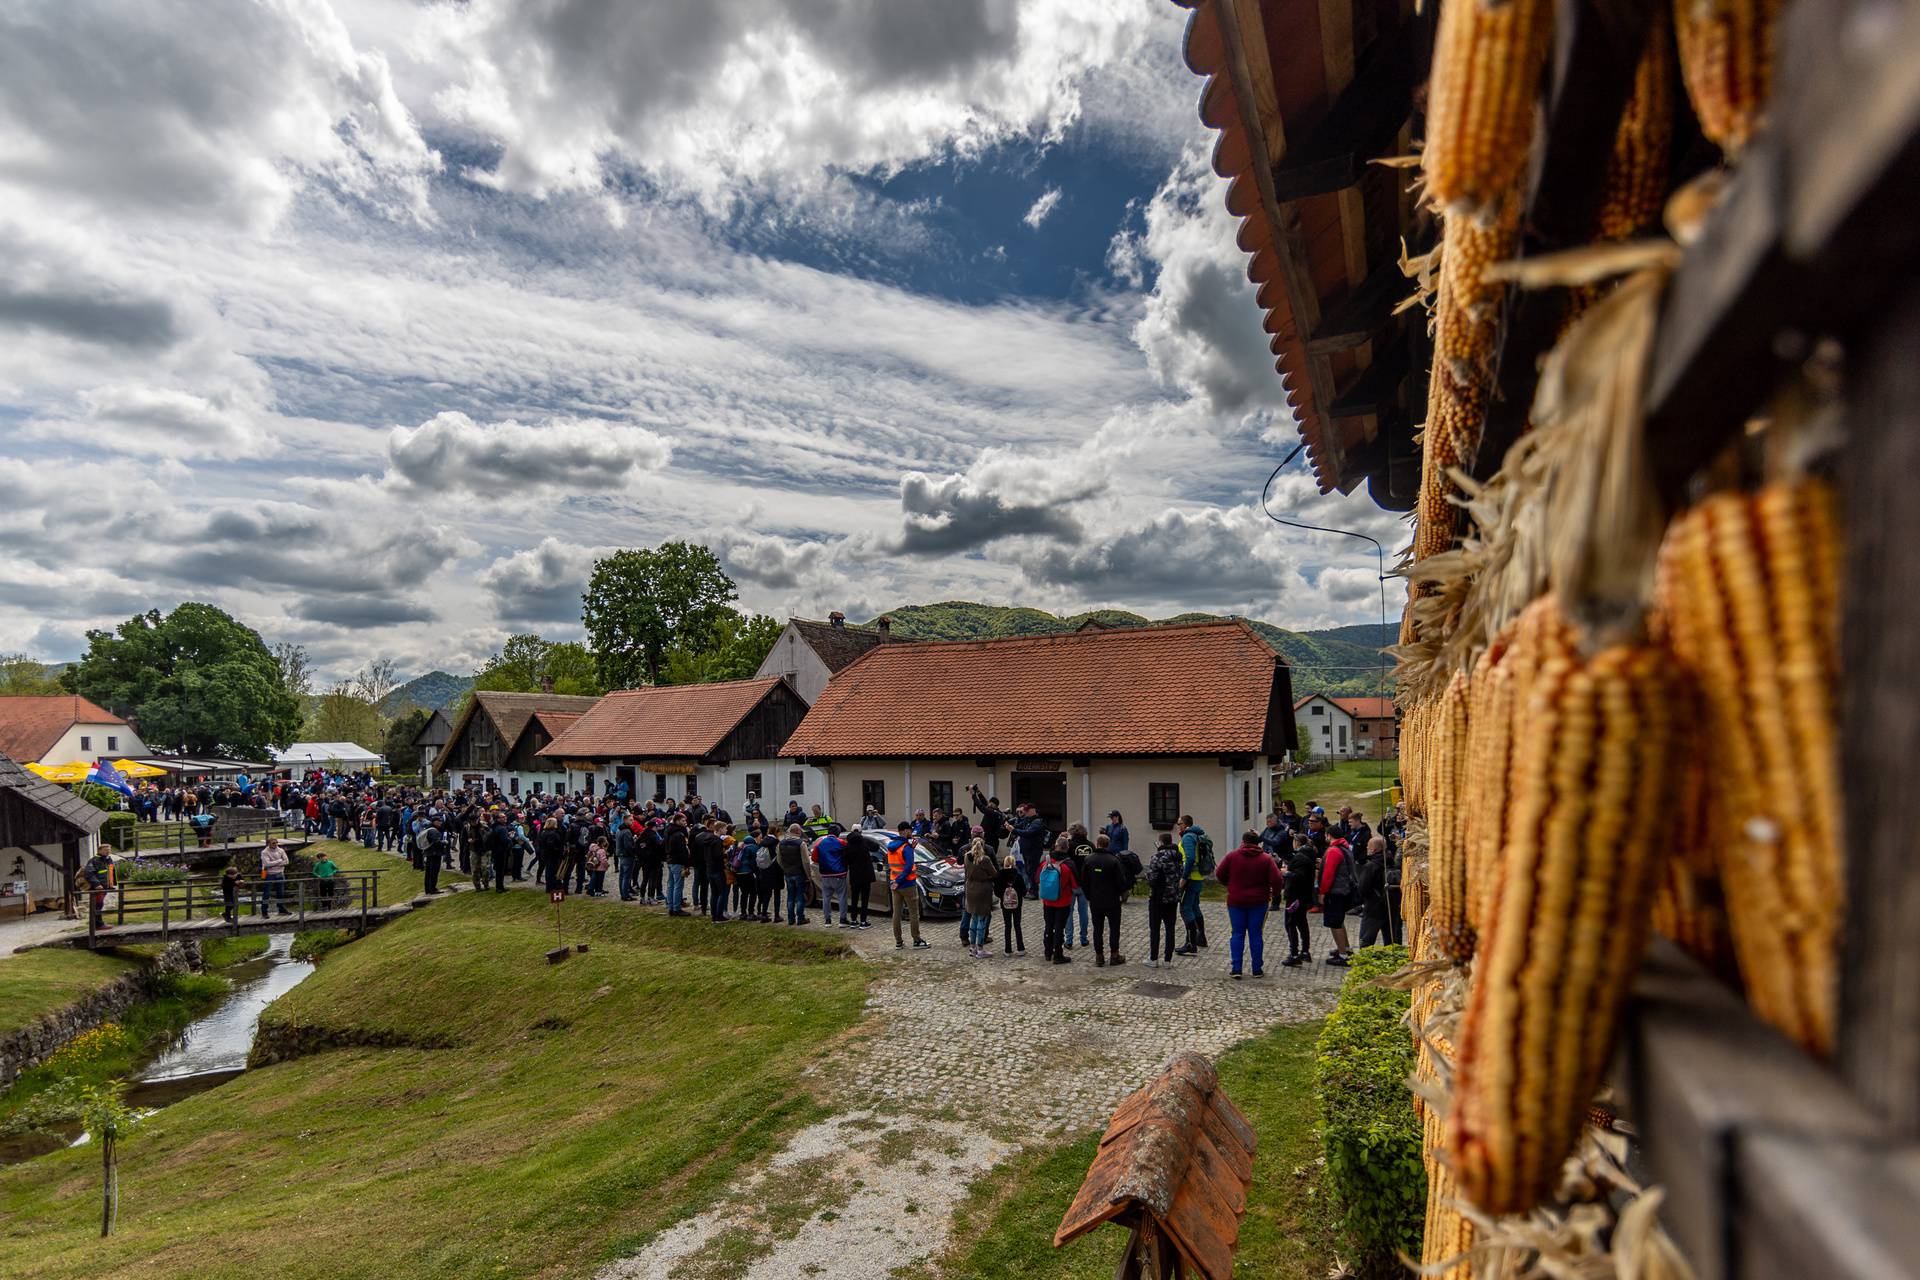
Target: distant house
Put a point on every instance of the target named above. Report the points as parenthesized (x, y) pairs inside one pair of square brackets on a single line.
[(1330, 727), (63, 729), (301, 758), (433, 735), (46, 833), (498, 737), (808, 653), (720, 740), (1376, 726), (1152, 721)]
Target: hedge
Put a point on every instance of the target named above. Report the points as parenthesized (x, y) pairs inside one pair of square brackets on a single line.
[(117, 830), (1369, 1131)]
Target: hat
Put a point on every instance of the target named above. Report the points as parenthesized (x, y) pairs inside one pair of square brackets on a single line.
[(980, 831)]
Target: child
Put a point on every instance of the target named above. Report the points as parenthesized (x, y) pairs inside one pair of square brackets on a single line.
[(1011, 887)]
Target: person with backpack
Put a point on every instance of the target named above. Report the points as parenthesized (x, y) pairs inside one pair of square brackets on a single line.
[(1297, 893), (763, 874), (859, 878), (830, 855), (1196, 853), (1166, 886), (1105, 888), (792, 856), (1251, 879), (433, 852), (980, 878), (709, 849), (1011, 888), (1337, 897), (1078, 847), (626, 854), (597, 861), (1056, 886)]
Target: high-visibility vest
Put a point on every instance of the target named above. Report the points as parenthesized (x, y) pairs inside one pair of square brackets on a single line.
[(900, 862)]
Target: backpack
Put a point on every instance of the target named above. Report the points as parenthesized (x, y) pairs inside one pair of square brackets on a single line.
[(1049, 880), (763, 859), (1203, 854), (1130, 869), (1343, 876), (1010, 898)]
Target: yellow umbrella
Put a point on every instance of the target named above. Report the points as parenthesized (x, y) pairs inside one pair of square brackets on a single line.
[(75, 772), (134, 769)]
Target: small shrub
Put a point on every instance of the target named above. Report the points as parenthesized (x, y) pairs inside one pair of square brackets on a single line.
[(1369, 1131), (118, 830), (88, 1049), (143, 872), (99, 797)]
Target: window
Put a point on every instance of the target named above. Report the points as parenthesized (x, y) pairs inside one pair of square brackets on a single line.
[(940, 796), (589, 783), (753, 785), (513, 785), (797, 782), (1343, 737), (1163, 803), (538, 787), (113, 743), (659, 786), (1246, 802), (86, 743), (1319, 710), (873, 795)]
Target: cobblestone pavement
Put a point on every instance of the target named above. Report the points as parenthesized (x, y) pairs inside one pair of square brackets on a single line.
[(950, 1055)]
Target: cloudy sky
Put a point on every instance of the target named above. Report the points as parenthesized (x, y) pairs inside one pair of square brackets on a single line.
[(375, 321)]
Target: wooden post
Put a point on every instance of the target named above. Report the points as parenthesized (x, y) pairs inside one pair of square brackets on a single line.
[(1879, 1044)]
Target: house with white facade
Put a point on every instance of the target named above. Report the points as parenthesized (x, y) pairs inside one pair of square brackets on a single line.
[(1330, 732), (808, 654), (720, 741), (497, 739), (63, 729)]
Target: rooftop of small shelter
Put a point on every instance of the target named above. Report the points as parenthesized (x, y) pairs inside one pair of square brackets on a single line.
[(30, 724), (59, 804), (1213, 688), (690, 720)]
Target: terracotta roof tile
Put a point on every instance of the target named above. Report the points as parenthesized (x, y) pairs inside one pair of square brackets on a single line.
[(662, 720), (1365, 708), (1202, 688), (30, 725), (510, 713), (838, 647)]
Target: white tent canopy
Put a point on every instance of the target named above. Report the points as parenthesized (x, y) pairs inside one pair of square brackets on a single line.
[(326, 755)]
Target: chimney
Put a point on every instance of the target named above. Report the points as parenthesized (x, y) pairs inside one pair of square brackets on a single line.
[(886, 626), (546, 684), (837, 618)]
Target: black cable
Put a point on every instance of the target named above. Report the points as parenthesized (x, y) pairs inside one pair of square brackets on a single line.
[(1380, 562)]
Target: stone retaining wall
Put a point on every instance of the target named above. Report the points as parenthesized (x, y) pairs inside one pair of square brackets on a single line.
[(38, 1041)]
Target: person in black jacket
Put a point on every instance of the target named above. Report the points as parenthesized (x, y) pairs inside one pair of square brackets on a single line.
[(859, 877), (1300, 890), (553, 848), (710, 853), (1370, 886), (678, 857), (993, 822), (653, 854), (500, 848), (1105, 883)]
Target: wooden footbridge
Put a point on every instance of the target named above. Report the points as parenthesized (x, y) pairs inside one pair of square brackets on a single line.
[(194, 909)]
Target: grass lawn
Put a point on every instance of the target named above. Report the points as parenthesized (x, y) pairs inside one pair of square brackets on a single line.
[(35, 983), (577, 1110), (1004, 1230), (1354, 782), (399, 882)]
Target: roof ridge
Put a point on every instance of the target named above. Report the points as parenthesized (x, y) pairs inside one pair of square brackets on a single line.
[(696, 684)]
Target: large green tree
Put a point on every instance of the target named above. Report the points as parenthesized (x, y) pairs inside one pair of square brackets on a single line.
[(195, 679), (343, 714), (642, 604), (398, 748), (20, 674), (733, 649), (526, 662)]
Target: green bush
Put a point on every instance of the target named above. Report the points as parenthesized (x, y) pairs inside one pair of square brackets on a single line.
[(143, 872), (118, 829), (1369, 1131), (98, 796)]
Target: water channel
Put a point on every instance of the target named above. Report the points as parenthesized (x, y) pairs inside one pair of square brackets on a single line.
[(211, 1051)]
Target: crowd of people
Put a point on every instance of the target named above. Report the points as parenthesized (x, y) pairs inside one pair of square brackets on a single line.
[(696, 859)]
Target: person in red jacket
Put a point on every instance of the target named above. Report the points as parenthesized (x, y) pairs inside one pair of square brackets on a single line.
[(1252, 879), (1056, 884), (1337, 897)]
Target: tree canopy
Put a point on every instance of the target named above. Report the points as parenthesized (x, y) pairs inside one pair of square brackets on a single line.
[(398, 747), (735, 646), (642, 604), (194, 679), (21, 675), (525, 662)]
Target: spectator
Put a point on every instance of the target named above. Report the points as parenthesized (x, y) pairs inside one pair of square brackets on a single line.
[(597, 869), (1011, 886), (273, 877), (1196, 853), (678, 855), (830, 855), (1298, 895), (1166, 886), (1118, 838), (1251, 878), (1056, 886), (1104, 889), (981, 876), (859, 878), (230, 894), (1336, 896), (1370, 886), (98, 874), (792, 855)]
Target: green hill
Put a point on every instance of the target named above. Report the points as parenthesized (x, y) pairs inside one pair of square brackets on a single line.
[(436, 691), (1342, 660)]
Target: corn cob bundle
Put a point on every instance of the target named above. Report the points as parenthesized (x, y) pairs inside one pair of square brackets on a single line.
[(1487, 63), (1489, 718), (1755, 619), (1446, 828), (1726, 59), (1413, 758), (1448, 1234), (1568, 921)]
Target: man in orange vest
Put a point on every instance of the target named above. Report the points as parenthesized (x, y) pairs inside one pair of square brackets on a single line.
[(904, 882)]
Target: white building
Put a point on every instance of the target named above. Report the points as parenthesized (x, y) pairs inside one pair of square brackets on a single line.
[(498, 737), (808, 653), (719, 740), (1330, 728), (334, 757), (63, 729)]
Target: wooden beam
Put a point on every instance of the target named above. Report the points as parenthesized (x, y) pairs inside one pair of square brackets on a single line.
[(1365, 120), (1361, 315), (1377, 389)]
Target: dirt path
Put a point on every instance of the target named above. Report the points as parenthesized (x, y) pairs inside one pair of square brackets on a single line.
[(959, 1064)]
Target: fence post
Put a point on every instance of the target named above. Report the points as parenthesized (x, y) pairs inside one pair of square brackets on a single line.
[(166, 908), (302, 882), (363, 902)]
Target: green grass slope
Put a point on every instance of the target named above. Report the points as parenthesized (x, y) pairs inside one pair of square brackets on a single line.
[(570, 1113)]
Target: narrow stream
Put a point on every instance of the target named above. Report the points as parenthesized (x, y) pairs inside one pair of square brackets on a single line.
[(209, 1052)]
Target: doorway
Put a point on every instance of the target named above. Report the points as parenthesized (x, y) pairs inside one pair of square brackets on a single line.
[(623, 781), (1046, 792)]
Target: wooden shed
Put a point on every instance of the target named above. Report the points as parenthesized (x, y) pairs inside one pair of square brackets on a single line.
[(47, 830)]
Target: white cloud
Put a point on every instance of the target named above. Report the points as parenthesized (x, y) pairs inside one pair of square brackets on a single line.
[(452, 452), (1037, 214)]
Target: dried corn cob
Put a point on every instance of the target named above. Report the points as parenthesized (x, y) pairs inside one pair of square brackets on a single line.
[(1487, 63), (1447, 852), (1754, 618), (1489, 720), (1568, 921), (1726, 59)]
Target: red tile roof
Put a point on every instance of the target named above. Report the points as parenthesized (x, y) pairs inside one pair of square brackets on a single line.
[(1365, 708), (662, 720), (30, 725), (510, 714), (1199, 689)]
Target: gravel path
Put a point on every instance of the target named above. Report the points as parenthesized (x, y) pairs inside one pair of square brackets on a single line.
[(944, 1082)]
